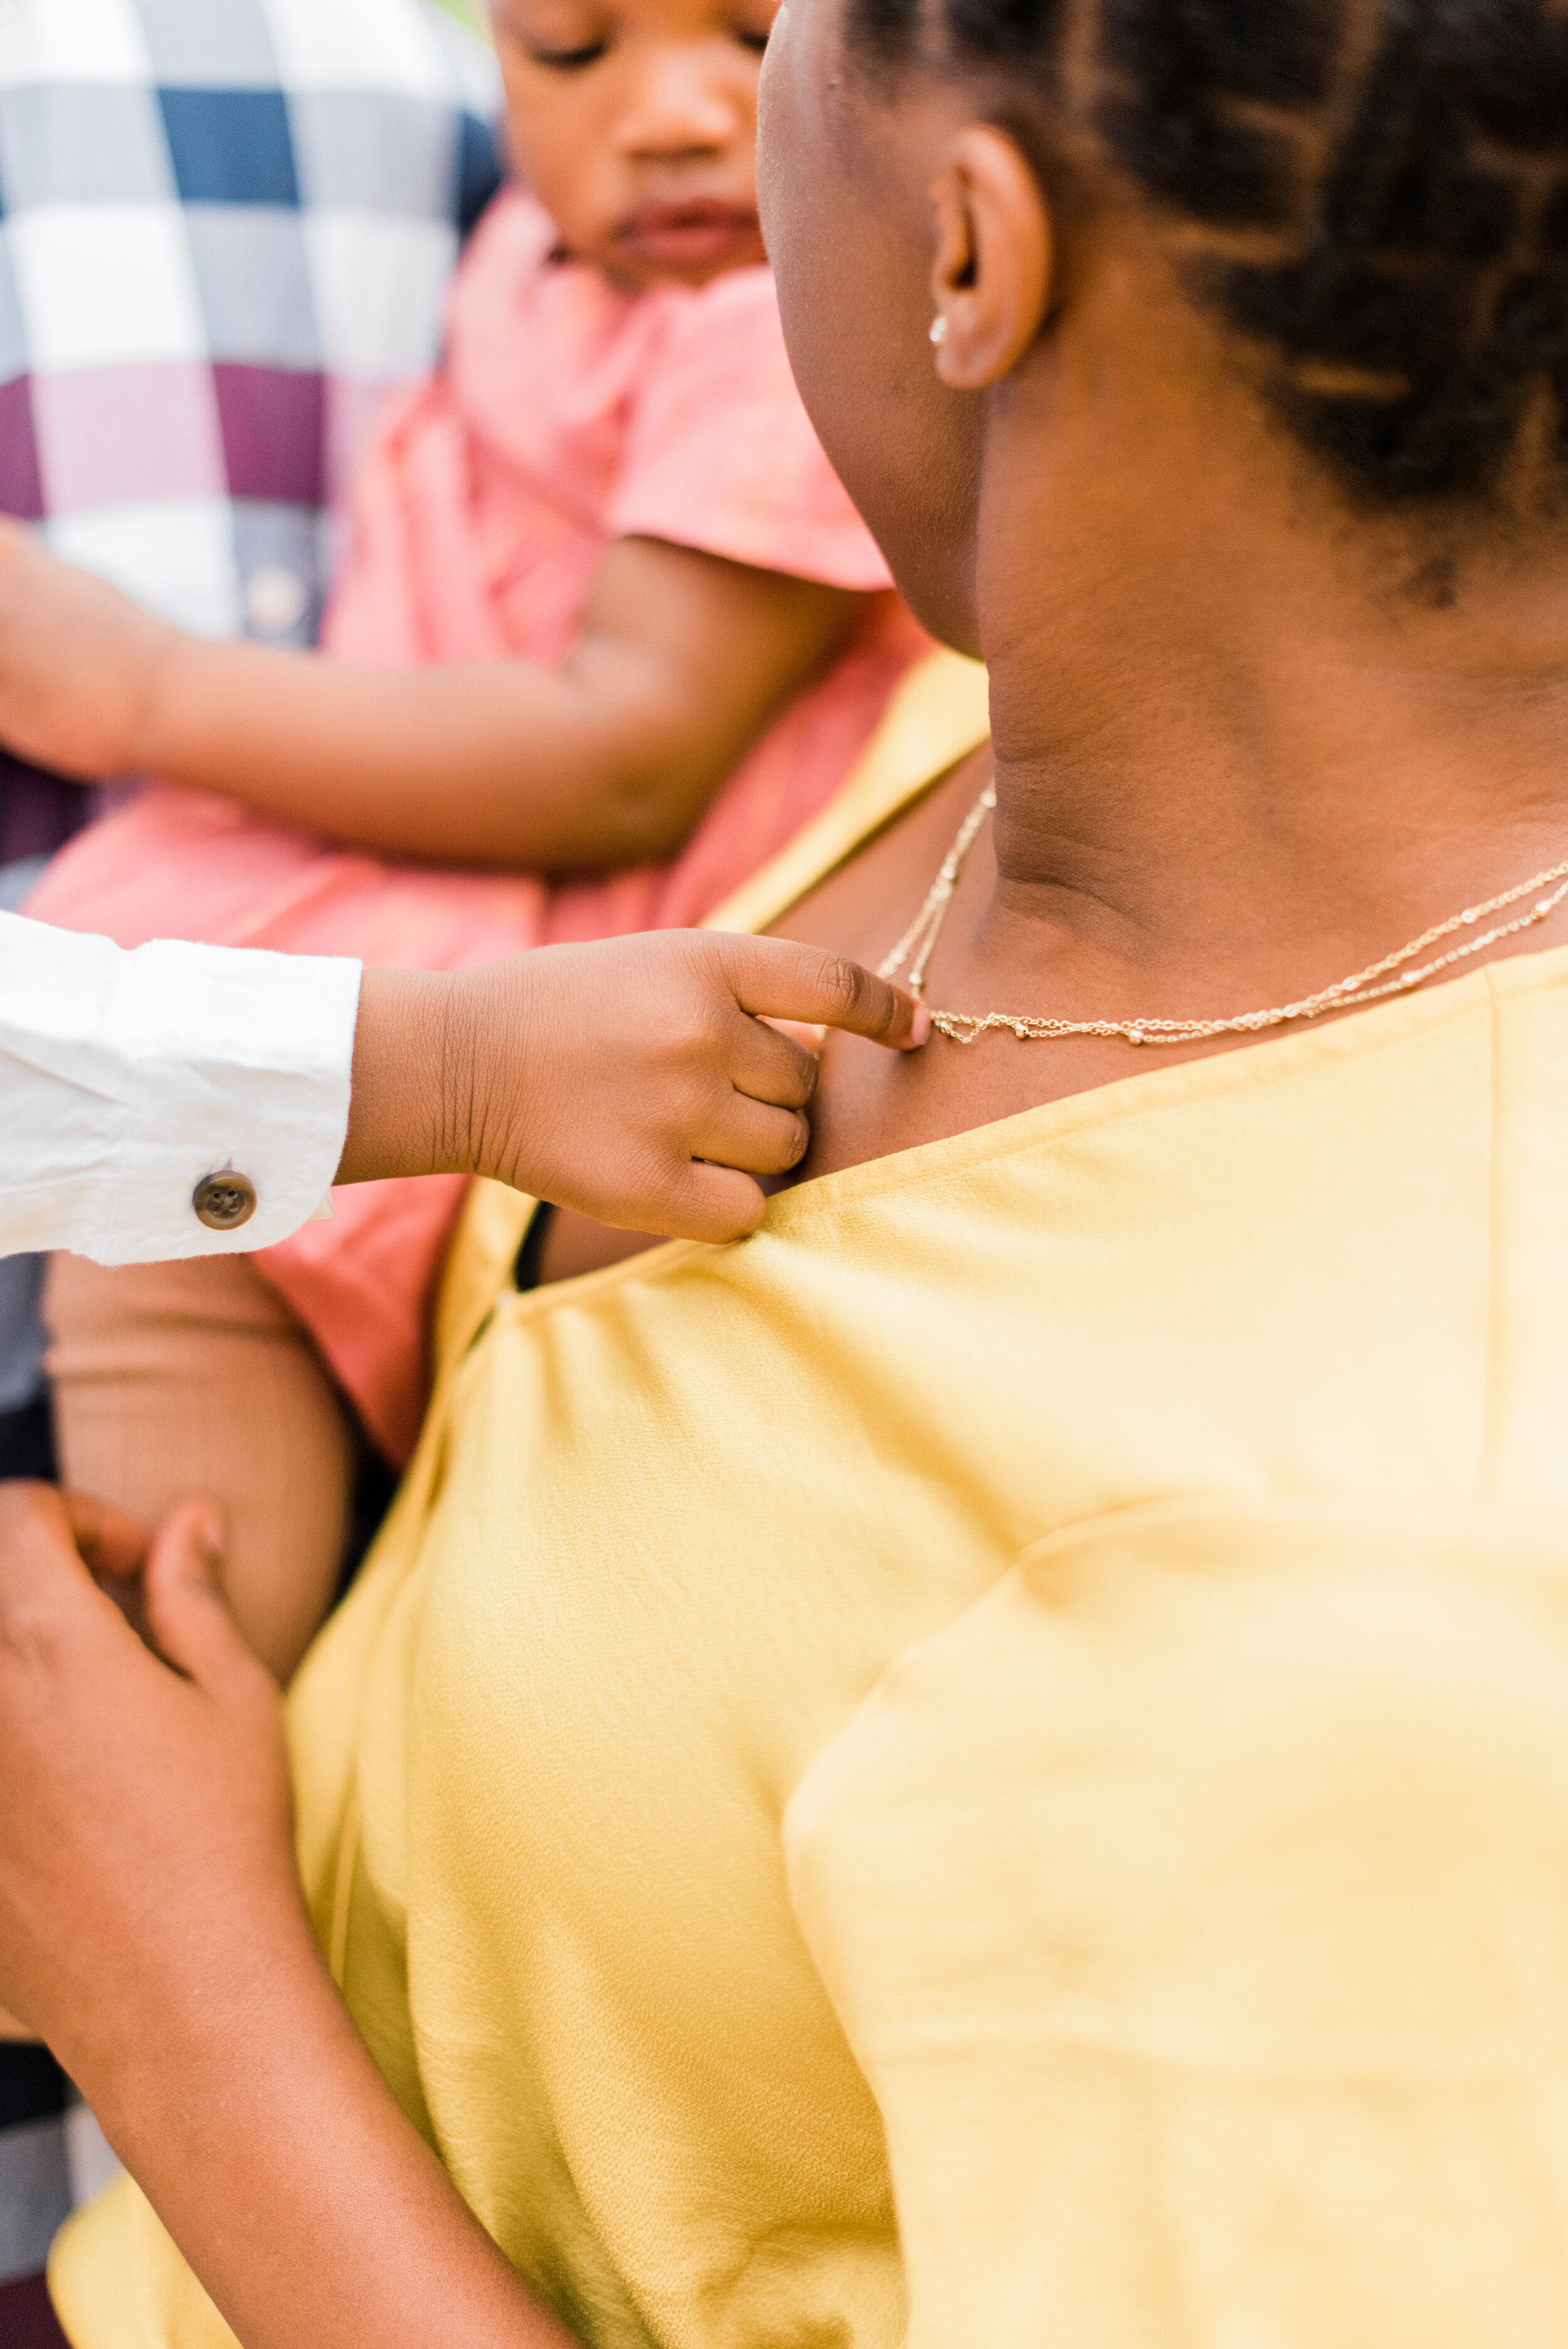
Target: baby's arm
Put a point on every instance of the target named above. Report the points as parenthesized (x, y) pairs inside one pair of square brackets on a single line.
[(608, 760)]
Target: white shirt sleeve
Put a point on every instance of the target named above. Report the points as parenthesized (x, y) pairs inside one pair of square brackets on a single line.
[(127, 1077)]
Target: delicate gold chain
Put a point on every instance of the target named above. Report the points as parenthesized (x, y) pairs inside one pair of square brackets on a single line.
[(1362, 987)]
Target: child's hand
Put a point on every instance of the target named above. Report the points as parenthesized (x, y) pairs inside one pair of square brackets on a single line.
[(632, 1080), (78, 664)]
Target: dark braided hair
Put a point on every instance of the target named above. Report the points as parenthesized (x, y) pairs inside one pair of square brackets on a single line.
[(1402, 164)]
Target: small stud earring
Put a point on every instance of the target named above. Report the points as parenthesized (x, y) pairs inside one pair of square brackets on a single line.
[(939, 328)]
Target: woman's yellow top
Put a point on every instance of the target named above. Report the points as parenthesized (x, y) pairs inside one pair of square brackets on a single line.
[(989, 1765)]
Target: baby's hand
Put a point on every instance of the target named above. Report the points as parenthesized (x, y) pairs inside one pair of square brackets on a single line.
[(144, 1790), (78, 664), (637, 1080)]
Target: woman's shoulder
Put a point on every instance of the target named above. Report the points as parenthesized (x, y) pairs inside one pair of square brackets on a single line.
[(1178, 1819)]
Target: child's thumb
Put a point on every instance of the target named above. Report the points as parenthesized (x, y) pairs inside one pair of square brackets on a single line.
[(187, 1612)]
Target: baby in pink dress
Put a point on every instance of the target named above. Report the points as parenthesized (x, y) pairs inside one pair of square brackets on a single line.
[(608, 633)]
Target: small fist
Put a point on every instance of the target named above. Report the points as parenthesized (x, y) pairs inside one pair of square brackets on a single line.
[(78, 665), (641, 1080), (644, 1081)]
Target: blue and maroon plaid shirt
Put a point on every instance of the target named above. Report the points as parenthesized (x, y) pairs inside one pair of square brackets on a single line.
[(226, 227)]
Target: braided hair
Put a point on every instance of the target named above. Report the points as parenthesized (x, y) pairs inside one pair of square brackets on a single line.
[(1398, 173)]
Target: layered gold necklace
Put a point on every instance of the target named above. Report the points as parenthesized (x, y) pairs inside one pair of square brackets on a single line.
[(915, 950)]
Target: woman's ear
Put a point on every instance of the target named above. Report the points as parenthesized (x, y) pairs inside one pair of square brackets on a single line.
[(992, 271)]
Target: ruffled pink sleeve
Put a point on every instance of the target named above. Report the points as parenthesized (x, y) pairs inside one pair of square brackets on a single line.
[(719, 453)]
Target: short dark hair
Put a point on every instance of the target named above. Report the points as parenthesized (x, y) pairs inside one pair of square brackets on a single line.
[(1408, 161)]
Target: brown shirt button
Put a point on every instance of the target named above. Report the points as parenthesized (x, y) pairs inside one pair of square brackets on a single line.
[(224, 1201)]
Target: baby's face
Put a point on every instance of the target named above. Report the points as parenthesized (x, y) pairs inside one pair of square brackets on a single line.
[(635, 123)]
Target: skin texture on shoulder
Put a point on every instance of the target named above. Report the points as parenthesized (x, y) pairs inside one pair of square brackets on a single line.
[(634, 122)]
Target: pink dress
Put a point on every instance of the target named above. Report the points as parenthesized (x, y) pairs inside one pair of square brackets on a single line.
[(566, 415)]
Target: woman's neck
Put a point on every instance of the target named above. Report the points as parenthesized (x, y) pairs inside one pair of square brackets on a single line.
[(1243, 831), (1228, 774), (1238, 739)]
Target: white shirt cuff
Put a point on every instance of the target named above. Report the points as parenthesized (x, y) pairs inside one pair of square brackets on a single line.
[(129, 1076)]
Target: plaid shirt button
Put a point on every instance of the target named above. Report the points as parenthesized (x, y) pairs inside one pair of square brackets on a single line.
[(276, 600)]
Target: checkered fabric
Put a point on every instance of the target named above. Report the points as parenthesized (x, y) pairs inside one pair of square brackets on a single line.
[(227, 229)]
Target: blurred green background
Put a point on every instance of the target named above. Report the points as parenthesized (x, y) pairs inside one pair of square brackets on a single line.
[(471, 11)]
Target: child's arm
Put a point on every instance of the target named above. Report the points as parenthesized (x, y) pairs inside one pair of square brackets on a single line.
[(608, 760)]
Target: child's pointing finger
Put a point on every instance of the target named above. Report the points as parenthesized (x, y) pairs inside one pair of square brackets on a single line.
[(780, 979)]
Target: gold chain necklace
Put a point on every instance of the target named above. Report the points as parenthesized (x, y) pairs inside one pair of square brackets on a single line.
[(1362, 987)]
